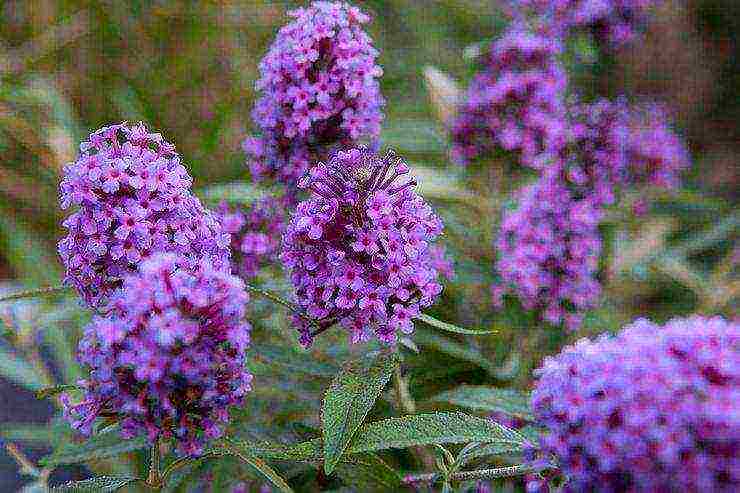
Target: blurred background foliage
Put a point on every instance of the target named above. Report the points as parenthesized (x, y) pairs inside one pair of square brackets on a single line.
[(187, 68)]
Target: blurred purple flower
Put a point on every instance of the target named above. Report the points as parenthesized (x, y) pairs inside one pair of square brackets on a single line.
[(515, 102), (650, 409), (548, 253), (612, 22)]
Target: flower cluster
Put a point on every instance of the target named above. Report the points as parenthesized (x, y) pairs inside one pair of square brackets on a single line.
[(255, 232), (358, 249), (516, 102), (655, 154), (650, 409), (614, 22), (319, 84), (549, 249), (169, 359), (133, 199)]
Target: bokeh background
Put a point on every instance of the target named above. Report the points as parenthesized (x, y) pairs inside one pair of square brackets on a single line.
[(187, 68)]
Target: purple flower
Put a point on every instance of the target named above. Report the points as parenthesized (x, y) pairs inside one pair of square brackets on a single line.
[(656, 155), (133, 199), (319, 84), (650, 409), (515, 102), (344, 266), (548, 252), (255, 232), (615, 22), (169, 357)]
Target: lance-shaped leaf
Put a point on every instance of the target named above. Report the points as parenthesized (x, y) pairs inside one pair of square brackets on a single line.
[(258, 464), (369, 472), (490, 399), (428, 429), (451, 327), (100, 484), (100, 446), (349, 399)]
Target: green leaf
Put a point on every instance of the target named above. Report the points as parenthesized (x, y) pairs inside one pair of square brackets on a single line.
[(486, 449), (349, 399), (461, 351), (261, 466), (309, 451), (490, 399), (100, 446), (57, 389), (236, 192), (20, 371), (288, 358), (452, 328), (413, 136), (101, 484), (30, 259), (369, 472), (428, 429)]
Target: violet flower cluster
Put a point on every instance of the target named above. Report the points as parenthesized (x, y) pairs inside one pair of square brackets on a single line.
[(650, 409), (255, 232), (359, 249), (548, 253), (612, 22), (515, 102), (133, 199), (319, 84), (169, 359)]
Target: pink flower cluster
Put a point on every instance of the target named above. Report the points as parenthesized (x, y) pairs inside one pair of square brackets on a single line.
[(319, 84), (359, 249), (133, 199), (169, 358)]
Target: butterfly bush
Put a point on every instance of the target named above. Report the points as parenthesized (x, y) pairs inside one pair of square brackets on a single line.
[(132, 199), (548, 253), (358, 250), (515, 102), (612, 22), (652, 408), (255, 232), (169, 357), (319, 84)]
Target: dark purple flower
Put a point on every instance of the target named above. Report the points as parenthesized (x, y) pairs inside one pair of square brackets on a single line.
[(515, 102), (132, 198), (169, 357), (344, 266), (548, 253), (319, 84), (650, 409), (255, 232)]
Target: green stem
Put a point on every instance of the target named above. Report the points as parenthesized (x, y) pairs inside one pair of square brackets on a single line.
[(280, 301), (31, 293), (154, 479), (494, 473)]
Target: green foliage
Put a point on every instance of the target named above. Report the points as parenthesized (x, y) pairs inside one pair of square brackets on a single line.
[(490, 399), (451, 327), (21, 371), (349, 399), (101, 446), (428, 429)]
